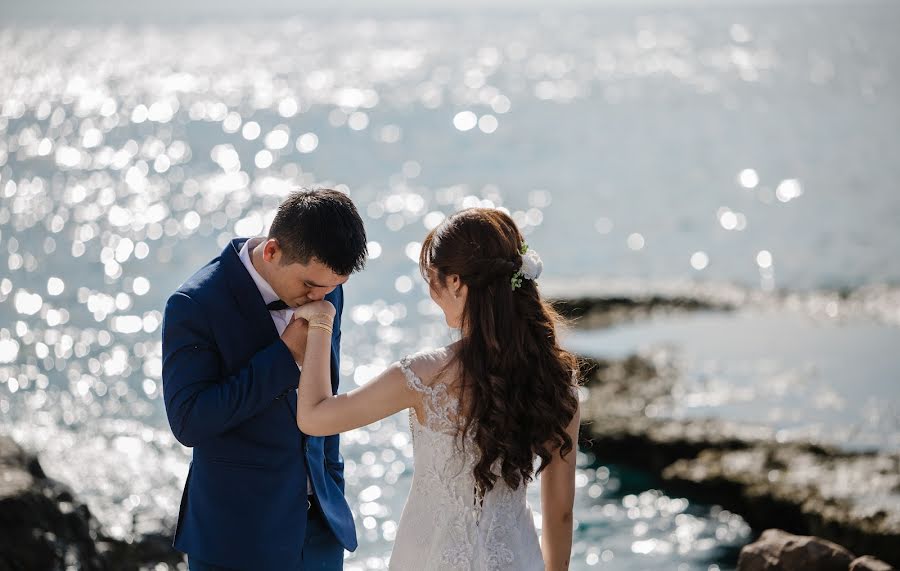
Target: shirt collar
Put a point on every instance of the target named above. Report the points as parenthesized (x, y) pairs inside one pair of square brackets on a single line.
[(268, 294)]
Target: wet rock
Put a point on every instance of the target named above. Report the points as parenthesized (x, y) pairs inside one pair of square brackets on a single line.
[(597, 312), (852, 499), (849, 498), (601, 303), (620, 415), (777, 550), (869, 563), (653, 444), (43, 526), (624, 387)]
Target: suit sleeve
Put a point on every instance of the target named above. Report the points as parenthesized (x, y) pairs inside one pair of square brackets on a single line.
[(200, 402), (333, 459)]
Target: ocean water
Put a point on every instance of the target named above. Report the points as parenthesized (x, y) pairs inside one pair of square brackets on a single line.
[(752, 144), (797, 374)]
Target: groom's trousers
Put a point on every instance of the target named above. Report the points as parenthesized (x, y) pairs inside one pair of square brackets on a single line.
[(321, 550)]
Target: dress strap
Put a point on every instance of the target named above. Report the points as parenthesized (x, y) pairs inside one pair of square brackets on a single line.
[(438, 405), (412, 379)]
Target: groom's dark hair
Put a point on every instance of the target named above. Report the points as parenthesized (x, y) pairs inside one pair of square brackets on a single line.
[(321, 224)]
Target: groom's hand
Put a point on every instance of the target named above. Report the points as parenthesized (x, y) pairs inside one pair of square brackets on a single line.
[(294, 337)]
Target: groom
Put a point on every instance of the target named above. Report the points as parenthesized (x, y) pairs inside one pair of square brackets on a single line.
[(260, 494)]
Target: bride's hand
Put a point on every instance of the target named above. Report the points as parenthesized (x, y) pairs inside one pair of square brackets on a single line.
[(312, 308)]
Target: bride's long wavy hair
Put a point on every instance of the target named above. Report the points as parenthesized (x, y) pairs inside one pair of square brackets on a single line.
[(516, 382)]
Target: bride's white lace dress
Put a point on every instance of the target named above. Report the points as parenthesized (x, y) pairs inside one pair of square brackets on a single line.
[(444, 526)]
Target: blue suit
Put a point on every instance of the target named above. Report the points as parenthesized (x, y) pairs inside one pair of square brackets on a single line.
[(228, 383)]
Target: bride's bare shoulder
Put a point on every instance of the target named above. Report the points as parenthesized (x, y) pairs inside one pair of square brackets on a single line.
[(434, 365)]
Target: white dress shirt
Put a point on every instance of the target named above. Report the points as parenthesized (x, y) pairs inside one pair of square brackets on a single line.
[(281, 317)]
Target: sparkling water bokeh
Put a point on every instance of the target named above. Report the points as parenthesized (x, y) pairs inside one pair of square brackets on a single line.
[(750, 145)]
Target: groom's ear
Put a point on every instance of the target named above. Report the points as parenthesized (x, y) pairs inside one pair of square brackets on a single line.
[(272, 250)]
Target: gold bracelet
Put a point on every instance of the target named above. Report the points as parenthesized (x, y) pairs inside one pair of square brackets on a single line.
[(321, 318), (322, 327)]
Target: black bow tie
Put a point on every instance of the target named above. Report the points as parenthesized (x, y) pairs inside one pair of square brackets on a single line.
[(277, 305)]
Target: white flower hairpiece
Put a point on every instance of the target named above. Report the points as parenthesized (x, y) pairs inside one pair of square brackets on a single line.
[(531, 269)]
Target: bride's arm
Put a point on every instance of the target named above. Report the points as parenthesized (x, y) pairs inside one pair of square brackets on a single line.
[(557, 499), (319, 413)]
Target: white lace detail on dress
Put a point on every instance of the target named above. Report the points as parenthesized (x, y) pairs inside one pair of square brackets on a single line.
[(445, 526), (499, 554), (439, 406)]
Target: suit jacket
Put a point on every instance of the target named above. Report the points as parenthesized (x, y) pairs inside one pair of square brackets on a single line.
[(228, 383)]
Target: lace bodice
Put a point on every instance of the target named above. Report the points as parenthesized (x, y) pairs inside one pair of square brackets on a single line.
[(445, 525), (441, 410)]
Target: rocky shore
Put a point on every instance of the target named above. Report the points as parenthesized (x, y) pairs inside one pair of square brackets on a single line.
[(44, 527), (806, 488), (597, 303), (593, 312), (777, 550)]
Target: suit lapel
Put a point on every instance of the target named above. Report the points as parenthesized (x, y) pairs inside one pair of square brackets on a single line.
[(250, 303), (246, 295)]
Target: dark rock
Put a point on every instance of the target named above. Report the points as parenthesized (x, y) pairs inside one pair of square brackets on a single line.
[(597, 312), (851, 499), (40, 526), (43, 526), (869, 563), (777, 550), (805, 488), (653, 443)]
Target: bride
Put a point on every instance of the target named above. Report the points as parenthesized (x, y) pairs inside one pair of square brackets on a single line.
[(483, 409)]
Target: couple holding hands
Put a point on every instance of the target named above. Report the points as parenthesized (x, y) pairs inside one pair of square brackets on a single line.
[(251, 355)]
